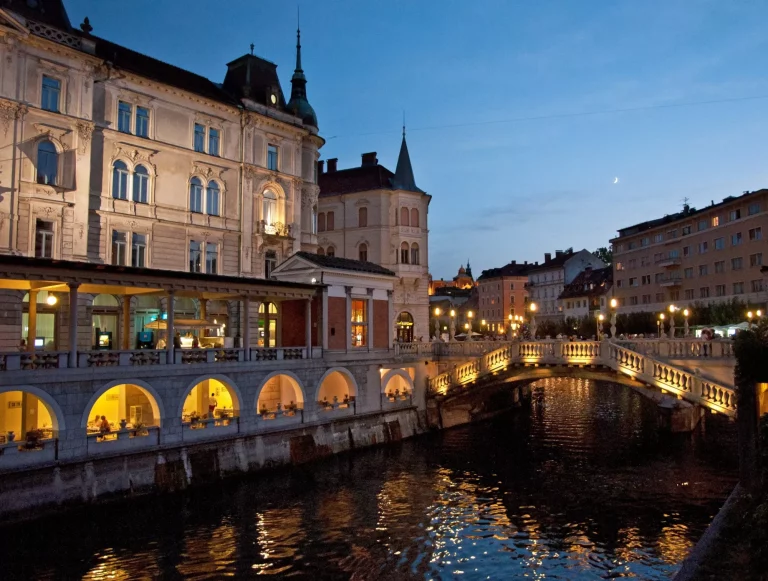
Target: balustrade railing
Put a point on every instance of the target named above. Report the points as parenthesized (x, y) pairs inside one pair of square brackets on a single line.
[(580, 350)]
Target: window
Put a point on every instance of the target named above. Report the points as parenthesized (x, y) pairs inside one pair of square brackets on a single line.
[(658, 238), (631, 245), (736, 239), (414, 253), (720, 290), (43, 239), (674, 295), (686, 250), (688, 273), (119, 248), (633, 300), (404, 250), (737, 263), (720, 266), (359, 322), (414, 218), (619, 283), (715, 221), (659, 277), (269, 208), (704, 292), (734, 215), (646, 299), (212, 195), (140, 184), (331, 251), (689, 294), (702, 225), (124, 114), (270, 261), (213, 141), (756, 259), (753, 209), (196, 198), (404, 217), (659, 297), (757, 286), (211, 258), (199, 138), (51, 93), (329, 222), (321, 251), (646, 279), (272, 153), (139, 250), (47, 163), (142, 121), (362, 217), (719, 243), (195, 256), (703, 247), (686, 230), (321, 222), (512, 287), (672, 234), (738, 288), (632, 263), (645, 241), (362, 253), (119, 180), (755, 234), (644, 261), (703, 270)]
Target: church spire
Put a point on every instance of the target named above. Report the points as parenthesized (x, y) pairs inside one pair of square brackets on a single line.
[(404, 179), (299, 103)]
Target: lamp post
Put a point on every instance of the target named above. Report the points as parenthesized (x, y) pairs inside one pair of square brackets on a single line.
[(660, 326), (437, 323), (470, 314), (749, 318), (600, 319), (686, 330), (452, 326), (672, 309), (511, 329), (532, 307), (614, 303)]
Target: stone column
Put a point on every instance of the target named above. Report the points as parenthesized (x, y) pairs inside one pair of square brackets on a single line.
[(266, 323), (348, 325), (32, 322), (73, 286), (247, 326), (308, 327), (324, 321), (391, 317), (203, 308), (127, 322), (170, 330), (370, 319)]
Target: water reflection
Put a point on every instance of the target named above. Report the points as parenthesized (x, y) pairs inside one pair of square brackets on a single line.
[(580, 486)]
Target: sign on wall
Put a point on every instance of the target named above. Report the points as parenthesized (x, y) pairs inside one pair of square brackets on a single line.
[(14, 404)]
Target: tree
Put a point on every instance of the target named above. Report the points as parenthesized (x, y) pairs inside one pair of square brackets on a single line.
[(604, 254)]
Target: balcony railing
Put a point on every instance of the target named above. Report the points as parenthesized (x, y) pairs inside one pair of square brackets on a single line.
[(276, 229), (668, 261), (671, 281)]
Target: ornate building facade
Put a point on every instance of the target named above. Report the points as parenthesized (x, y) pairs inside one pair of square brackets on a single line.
[(369, 213)]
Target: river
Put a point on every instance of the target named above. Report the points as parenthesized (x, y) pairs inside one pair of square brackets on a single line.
[(578, 486)]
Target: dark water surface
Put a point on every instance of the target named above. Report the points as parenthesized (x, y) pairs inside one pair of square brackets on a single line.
[(579, 486)]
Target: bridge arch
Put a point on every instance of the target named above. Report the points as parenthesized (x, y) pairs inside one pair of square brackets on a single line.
[(282, 387), (196, 399), (396, 379), (50, 406), (336, 381), (123, 392)]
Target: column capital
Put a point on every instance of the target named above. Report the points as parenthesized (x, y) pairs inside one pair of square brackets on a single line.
[(73, 285), (348, 290), (370, 291), (390, 292)]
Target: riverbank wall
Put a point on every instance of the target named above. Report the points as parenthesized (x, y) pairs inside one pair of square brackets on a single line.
[(31, 493)]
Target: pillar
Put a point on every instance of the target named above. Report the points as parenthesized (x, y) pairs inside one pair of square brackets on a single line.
[(32, 322), (369, 315), (247, 326), (170, 330), (348, 325), (266, 323), (324, 321), (127, 322), (391, 313), (203, 308), (308, 326), (73, 286)]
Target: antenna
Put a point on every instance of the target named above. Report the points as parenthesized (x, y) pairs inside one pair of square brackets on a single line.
[(252, 47), (403, 123)]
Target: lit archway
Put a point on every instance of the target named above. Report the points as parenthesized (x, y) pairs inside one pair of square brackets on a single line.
[(136, 402), (404, 326), (211, 397), (25, 409), (282, 388), (396, 381), (336, 382)]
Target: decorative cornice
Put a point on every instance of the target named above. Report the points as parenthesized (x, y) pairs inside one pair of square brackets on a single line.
[(84, 133)]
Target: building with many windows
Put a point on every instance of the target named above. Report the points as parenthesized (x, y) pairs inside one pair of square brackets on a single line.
[(370, 214), (502, 292), (588, 293), (710, 255)]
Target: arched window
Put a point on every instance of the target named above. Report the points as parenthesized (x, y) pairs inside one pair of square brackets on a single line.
[(140, 184), (415, 217), (321, 251), (362, 252), (414, 253), (321, 222), (404, 250), (329, 225), (196, 196), (119, 180), (362, 217), (331, 251), (404, 217), (269, 208), (212, 195), (47, 163)]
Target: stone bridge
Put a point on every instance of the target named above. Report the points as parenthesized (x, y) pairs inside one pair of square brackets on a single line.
[(650, 362)]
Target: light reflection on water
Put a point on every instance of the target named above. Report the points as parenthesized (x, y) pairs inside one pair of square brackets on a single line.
[(580, 486)]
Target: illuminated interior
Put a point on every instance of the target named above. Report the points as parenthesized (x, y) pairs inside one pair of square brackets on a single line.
[(397, 383), (126, 402), (200, 400), (281, 389), (336, 384), (21, 412)]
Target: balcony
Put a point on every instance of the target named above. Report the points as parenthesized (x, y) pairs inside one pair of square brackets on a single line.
[(669, 261), (671, 281), (276, 231)]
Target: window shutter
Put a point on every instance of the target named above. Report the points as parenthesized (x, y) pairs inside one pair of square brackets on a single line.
[(67, 180)]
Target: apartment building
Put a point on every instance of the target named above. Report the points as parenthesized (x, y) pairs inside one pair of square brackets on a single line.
[(590, 292), (502, 292), (711, 254)]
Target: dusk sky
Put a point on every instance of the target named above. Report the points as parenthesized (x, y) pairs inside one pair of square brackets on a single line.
[(510, 106)]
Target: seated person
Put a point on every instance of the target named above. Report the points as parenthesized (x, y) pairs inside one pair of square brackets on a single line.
[(104, 426)]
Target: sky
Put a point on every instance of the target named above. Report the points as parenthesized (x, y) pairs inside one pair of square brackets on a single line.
[(520, 115)]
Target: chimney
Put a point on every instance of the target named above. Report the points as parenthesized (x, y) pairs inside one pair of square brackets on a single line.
[(320, 167), (558, 253), (547, 257), (514, 262), (369, 159), (332, 164)]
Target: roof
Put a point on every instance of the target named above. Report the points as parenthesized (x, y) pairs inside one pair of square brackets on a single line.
[(511, 269), (339, 263), (589, 282), (404, 179), (356, 179), (687, 213), (558, 261), (51, 12)]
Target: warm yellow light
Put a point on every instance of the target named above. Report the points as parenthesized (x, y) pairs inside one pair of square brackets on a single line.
[(533, 307), (482, 322), (51, 300), (470, 314), (672, 308), (466, 326), (601, 317), (510, 317), (614, 303), (749, 314), (453, 313), (661, 316), (759, 313), (437, 311), (686, 312)]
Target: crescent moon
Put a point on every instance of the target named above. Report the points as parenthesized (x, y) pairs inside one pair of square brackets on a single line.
[(615, 180)]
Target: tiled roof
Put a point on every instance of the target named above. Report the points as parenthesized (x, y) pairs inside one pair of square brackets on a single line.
[(557, 261), (356, 179), (339, 263), (601, 278), (511, 269)]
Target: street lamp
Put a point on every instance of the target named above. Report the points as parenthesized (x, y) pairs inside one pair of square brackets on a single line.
[(51, 300), (452, 326), (532, 307), (600, 319), (749, 318), (511, 329), (660, 325), (438, 312), (470, 314), (672, 309), (614, 303), (686, 314)]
